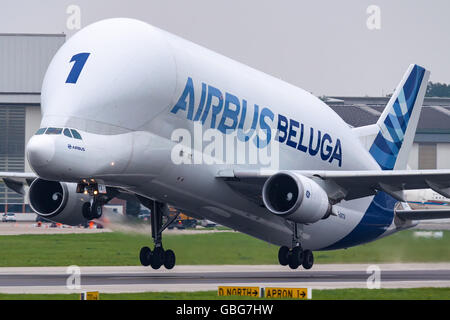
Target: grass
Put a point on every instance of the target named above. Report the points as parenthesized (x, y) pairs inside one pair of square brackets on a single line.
[(215, 248), (383, 294), (338, 294), (120, 249), (400, 247)]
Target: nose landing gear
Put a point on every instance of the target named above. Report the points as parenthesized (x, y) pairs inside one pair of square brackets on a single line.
[(94, 209), (101, 195)]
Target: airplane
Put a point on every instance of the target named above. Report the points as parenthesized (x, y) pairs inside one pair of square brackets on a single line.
[(426, 197), (128, 108)]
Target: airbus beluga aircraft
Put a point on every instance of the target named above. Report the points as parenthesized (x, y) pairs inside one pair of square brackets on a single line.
[(127, 109)]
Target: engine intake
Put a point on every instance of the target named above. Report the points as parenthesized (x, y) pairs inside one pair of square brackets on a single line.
[(58, 201), (296, 198)]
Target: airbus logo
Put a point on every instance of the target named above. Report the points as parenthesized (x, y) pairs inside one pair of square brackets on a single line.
[(229, 113), (71, 147)]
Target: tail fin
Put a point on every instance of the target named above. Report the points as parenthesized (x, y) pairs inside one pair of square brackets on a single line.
[(396, 127)]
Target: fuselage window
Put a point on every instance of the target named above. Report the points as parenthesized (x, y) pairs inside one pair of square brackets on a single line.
[(75, 134), (41, 131), (54, 131), (67, 133)]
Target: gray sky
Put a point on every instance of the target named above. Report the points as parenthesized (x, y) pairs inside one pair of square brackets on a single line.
[(322, 46)]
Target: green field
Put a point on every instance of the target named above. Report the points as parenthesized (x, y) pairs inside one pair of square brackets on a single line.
[(338, 294), (116, 249)]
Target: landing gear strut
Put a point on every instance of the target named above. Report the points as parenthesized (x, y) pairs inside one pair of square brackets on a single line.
[(158, 257), (295, 256)]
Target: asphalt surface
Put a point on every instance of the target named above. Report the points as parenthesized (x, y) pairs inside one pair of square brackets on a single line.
[(193, 278)]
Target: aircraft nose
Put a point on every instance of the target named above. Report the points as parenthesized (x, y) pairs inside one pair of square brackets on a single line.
[(40, 151)]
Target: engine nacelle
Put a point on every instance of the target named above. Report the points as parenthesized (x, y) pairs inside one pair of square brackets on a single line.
[(296, 198), (58, 201)]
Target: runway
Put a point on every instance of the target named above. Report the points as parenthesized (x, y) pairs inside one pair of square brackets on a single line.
[(195, 278)]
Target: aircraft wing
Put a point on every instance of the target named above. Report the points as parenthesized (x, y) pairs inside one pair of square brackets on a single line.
[(347, 185), (16, 180)]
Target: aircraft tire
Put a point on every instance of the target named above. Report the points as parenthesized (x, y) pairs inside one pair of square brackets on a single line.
[(157, 258), (86, 210), (145, 256), (295, 257), (169, 259), (308, 259), (96, 210), (283, 256)]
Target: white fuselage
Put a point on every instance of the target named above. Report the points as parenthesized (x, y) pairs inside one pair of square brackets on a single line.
[(142, 89)]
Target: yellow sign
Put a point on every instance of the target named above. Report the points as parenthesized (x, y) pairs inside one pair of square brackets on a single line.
[(239, 291), (94, 295), (294, 293)]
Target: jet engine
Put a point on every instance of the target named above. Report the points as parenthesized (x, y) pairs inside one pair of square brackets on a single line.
[(58, 201), (296, 198)]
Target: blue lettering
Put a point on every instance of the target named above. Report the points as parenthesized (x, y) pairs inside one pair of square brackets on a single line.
[(200, 105), (232, 119), (337, 153), (265, 113), (313, 151), (329, 149), (80, 60), (300, 146), (292, 133), (213, 92), (245, 136), (282, 128), (182, 102), (228, 113)]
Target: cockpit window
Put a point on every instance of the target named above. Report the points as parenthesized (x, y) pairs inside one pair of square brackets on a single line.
[(67, 133), (40, 131), (75, 134), (54, 131)]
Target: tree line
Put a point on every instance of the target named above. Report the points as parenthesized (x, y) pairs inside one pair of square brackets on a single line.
[(436, 89)]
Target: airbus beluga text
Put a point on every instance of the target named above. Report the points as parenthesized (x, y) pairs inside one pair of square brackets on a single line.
[(122, 100)]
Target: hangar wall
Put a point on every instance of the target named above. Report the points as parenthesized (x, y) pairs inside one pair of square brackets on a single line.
[(24, 58)]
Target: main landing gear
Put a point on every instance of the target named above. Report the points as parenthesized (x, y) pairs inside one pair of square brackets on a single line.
[(296, 256), (158, 257)]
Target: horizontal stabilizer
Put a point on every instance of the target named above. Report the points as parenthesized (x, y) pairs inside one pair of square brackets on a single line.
[(425, 214)]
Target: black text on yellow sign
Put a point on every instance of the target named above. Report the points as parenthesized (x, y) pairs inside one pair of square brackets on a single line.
[(239, 291), (93, 295), (293, 293)]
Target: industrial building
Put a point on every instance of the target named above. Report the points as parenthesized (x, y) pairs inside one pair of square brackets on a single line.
[(24, 59), (431, 148)]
